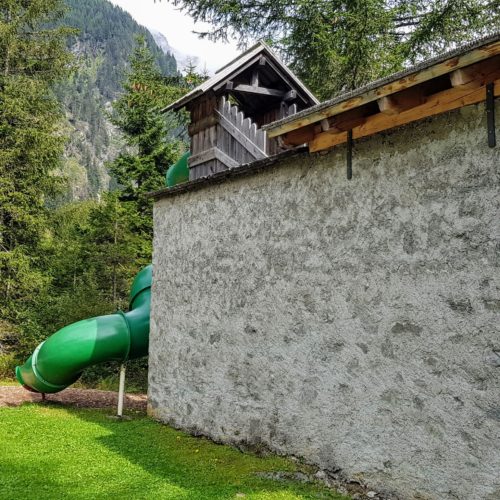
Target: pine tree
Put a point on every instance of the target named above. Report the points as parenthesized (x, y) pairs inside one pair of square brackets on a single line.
[(32, 58), (147, 132), (338, 45), (115, 248)]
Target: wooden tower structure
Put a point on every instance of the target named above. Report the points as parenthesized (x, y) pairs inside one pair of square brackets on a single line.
[(228, 111)]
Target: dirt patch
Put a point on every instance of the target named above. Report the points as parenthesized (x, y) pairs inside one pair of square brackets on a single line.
[(77, 398)]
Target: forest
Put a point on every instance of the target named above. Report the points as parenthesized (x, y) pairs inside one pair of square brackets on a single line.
[(61, 259), (101, 45)]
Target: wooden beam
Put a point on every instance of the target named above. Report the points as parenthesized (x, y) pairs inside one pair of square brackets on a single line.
[(325, 125), (401, 101), (477, 74), (212, 154), (408, 81), (299, 136), (262, 91), (348, 120), (327, 140), (302, 92), (292, 109), (290, 95), (224, 158), (229, 85), (438, 103), (202, 157), (237, 72), (255, 78)]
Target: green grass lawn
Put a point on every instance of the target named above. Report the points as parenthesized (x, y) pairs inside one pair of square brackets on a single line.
[(51, 452)]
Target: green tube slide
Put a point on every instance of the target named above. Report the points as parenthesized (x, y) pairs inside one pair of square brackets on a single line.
[(178, 172), (59, 360)]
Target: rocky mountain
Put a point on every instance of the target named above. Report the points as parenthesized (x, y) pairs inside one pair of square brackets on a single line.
[(182, 58), (105, 40), (162, 42)]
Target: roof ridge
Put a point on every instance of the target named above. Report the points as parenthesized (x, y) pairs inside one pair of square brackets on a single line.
[(250, 49), (230, 68)]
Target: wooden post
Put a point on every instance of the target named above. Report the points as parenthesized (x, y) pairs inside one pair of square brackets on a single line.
[(121, 391)]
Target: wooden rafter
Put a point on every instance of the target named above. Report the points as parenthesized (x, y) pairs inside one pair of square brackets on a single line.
[(411, 80), (300, 136), (348, 120), (401, 101), (261, 91), (435, 104), (477, 74)]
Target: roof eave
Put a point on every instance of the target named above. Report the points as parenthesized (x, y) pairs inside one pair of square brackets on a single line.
[(455, 59), (232, 68)]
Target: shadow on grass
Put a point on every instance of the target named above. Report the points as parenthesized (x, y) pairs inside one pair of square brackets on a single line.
[(196, 467), (27, 473), (51, 451)]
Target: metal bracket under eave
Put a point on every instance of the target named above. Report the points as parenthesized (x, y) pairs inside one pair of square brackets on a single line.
[(349, 155), (490, 114)]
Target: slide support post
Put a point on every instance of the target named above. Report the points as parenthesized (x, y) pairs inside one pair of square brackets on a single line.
[(121, 390)]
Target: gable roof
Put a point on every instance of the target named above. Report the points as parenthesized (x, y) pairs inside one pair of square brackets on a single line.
[(238, 65)]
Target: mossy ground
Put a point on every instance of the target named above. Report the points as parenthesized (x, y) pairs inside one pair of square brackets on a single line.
[(49, 451)]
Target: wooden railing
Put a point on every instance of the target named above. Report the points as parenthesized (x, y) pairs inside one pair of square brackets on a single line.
[(228, 140), (247, 135)]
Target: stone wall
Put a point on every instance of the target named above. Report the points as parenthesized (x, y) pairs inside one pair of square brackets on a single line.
[(352, 323)]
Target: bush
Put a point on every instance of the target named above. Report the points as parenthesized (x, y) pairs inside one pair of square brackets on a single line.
[(8, 364)]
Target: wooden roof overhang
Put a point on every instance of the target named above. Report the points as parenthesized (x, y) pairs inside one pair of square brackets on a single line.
[(254, 78), (461, 77)]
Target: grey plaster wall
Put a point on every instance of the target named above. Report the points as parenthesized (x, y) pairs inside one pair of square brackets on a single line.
[(355, 324)]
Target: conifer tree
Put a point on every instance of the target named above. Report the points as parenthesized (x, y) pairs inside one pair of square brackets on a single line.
[(32, 58), (338, 45), (148, 133)]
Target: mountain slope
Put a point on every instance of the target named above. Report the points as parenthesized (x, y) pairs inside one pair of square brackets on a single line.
[(182, 58), (105, 40)]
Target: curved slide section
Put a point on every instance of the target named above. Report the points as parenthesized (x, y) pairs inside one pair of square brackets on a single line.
[(59, 361), (178, 172)]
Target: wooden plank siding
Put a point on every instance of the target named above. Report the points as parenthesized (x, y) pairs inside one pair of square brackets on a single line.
[(222, 137)]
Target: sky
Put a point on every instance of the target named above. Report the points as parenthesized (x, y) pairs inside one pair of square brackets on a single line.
[(178, 29)]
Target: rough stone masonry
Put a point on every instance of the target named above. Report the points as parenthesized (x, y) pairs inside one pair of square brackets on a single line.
[(351, 323)]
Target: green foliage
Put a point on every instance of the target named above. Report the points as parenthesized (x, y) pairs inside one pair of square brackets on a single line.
[(48, 452), (90, 256), (338, 45), (115, 247), (102, 46), (108, 32), (90, 139), (77, 260), (147, 132), (8, 364), (60, 263), (106, 376), (27, 46), (32, 57)]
